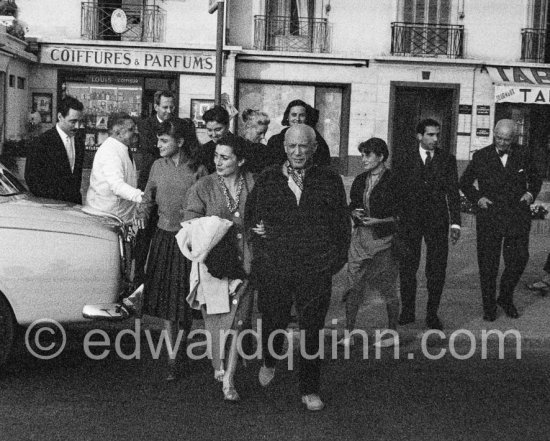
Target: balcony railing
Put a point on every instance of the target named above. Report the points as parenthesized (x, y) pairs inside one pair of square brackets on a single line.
[(280, 33), (427, 40), (533, 44), (143, 23)]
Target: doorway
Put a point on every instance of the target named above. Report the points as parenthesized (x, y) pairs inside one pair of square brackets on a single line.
[(412, 102)]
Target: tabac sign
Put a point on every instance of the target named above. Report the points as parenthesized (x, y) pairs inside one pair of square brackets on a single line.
[(528, 85), (129, 58)]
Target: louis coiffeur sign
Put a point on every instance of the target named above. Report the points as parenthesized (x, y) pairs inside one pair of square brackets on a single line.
[(129, 58)]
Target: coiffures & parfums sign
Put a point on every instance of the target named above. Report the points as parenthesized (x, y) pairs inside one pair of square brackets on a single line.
[(130, 58)]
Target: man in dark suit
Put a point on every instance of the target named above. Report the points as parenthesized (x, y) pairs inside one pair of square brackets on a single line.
[(54, 165), (148, 152), (429, 200), (508, 183)]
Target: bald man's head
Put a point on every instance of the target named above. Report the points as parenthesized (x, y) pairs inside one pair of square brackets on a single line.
[(300, 145), (505, 133)]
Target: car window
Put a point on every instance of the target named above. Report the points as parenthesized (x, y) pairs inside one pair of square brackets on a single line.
[(9, 185)]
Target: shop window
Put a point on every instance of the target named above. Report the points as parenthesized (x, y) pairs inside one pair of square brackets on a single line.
[(12, 81), (273, 99), (21, 82), (113, 94)]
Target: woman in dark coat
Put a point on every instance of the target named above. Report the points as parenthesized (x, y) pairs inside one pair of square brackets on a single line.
[(371, 261), (298, 112)]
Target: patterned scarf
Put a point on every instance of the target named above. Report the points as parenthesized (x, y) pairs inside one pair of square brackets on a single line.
[(297, 175)]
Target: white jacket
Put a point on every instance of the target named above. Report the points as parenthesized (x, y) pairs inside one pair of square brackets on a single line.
[(195, 239), (113, 181)]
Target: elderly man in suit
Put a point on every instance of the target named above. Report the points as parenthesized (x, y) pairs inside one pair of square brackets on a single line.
[(508, 183), (54, 165), (427, 179), (299, 214)]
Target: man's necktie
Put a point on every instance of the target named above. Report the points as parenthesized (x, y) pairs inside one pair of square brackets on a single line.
[(501, 153), (70, 151), (428, 162)]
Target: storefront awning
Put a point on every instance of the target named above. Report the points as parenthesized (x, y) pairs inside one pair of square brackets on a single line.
[(514, 84)]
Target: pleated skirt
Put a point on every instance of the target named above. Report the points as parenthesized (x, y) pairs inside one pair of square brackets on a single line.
[(167, 280)]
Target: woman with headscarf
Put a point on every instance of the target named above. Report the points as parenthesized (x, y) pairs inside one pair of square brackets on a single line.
[(298, 112)]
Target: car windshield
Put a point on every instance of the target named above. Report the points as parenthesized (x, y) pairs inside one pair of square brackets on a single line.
[(9, 185)]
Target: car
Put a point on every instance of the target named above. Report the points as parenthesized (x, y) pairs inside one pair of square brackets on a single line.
[(56, 258)]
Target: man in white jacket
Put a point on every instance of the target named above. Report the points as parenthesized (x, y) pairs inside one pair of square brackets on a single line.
[(113, 181)]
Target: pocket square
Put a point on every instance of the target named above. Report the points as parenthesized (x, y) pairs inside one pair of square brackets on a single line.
[(521, 171)]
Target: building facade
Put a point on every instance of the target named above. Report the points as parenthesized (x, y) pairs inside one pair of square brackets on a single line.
[(371, 67)]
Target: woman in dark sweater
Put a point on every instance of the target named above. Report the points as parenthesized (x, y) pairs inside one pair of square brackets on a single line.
[(167, 272), (370, 259), (297, 112)]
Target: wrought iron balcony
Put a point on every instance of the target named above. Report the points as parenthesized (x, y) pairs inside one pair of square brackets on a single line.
[(281, 33), (533, 45), (143, 23), (427, 40)]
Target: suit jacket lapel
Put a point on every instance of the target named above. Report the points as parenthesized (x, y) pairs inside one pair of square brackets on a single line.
[(62, 151)]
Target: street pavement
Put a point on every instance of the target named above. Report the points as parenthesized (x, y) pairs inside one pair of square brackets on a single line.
[(369, 395)]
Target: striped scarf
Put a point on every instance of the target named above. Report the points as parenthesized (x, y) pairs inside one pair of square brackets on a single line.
[(297, 175)]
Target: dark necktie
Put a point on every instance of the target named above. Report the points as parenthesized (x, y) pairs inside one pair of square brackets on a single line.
[(501, 153), (428, 162), (130, 154)]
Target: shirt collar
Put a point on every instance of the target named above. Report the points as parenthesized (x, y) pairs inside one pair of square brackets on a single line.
[(424, 154), (62, 134)]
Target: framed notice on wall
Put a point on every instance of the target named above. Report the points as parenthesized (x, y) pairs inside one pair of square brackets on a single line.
[(198, 107), (42, 103)]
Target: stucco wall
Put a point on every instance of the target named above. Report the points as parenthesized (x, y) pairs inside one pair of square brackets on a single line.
[(17, 101)]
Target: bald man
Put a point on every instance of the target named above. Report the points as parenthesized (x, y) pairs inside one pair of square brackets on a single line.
[(299, 215), (508, 183)]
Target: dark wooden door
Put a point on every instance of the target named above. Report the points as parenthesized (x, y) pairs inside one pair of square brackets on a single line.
[(413, 104)]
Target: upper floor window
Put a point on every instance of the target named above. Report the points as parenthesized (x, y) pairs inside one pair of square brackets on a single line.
[(535, 37), (424, 30), (292, 25), (140, 20), (426, 11)]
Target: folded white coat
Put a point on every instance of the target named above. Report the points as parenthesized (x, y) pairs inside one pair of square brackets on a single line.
[(196, 238)]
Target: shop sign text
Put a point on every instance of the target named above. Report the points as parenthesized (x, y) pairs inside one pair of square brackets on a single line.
[(137, 59)]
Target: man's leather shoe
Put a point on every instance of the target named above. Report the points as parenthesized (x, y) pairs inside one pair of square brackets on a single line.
[(509, 309), (266, 375), (433, 322), (490, 316), (405, 318), (313, 402)]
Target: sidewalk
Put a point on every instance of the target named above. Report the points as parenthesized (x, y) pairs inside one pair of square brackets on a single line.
[(461, 302)]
